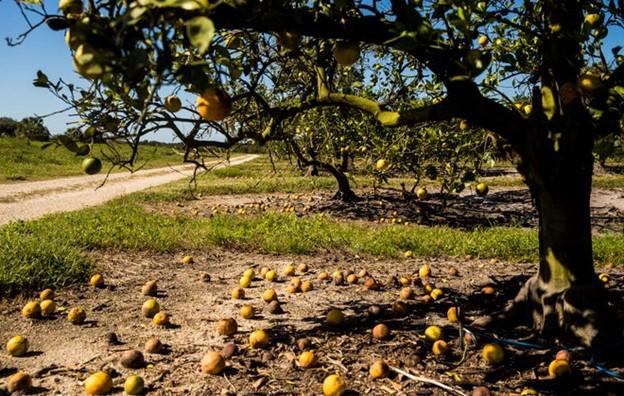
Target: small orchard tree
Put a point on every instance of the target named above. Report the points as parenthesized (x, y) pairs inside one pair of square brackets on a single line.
[(537, 74)]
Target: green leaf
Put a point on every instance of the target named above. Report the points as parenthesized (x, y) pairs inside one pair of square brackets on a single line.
[(200, 31), (41, 80), (548, 103)]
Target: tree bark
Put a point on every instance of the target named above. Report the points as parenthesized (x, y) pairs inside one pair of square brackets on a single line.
[(344, 193), (565, 297)]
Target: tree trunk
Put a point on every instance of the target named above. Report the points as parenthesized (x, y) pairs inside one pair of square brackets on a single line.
[(565, 296), (344, 163), (311, 171), (344, 193)]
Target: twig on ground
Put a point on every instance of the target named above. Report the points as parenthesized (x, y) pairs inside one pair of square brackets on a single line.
[(428, 381)]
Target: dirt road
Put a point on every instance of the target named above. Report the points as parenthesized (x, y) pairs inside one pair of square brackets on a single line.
[(30, 200)]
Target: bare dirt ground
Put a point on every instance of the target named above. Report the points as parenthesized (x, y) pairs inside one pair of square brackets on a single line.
[(30, 200), (62, 355)]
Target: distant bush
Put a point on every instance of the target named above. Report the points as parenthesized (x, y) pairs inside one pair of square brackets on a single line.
[(32, 128), (8, 126), (249, 148)]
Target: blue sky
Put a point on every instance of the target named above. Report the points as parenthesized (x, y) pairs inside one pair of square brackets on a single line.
[(43, 50)]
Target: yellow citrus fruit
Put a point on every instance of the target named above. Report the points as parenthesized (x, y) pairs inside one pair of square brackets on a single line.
[(76, 315), (440, 347), (258, 339), (306, 359), (150, 308), (91, 166), (245, 281), (482, 189), (436, 293), (433, 333), (335, 317), (483, 41), (592, 19), (452, 315), (47, 294), (160, 319), (187, 260), (493, 353), (408, 254), (334, 385), (269, 295), (97, 280), (527, 109), (19, 381), (214, 104), (212, 363), (70, 6), (249, 273), (88, 62), (238, 293), (306, 286), (99, 383), (48, 307), (382, 165), (379, 369), (323, 276), (604, 278), (424, 271), (31, 310), (17, 346), (289, 270), (559, 368), (247, 312), (173, 103), (422, 193), (134, 385), (271, 276)]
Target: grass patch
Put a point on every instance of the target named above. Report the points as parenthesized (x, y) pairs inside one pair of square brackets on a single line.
[(258, 177), (47, 252), (21, 159), (32, 260)]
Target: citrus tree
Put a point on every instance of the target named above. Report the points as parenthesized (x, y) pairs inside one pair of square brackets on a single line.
[(537, 74)]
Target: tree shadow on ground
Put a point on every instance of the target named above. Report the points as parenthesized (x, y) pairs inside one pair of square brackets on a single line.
[(407, 347), (501, 208)]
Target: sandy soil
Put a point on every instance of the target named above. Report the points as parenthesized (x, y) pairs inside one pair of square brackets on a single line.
[(62, 355), (30, 200)]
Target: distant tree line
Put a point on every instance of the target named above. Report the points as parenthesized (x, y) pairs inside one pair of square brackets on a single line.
[(30, 127)]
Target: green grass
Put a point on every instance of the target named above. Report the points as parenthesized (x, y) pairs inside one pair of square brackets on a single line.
[(257, 177), (49, 251), (21, 159)]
